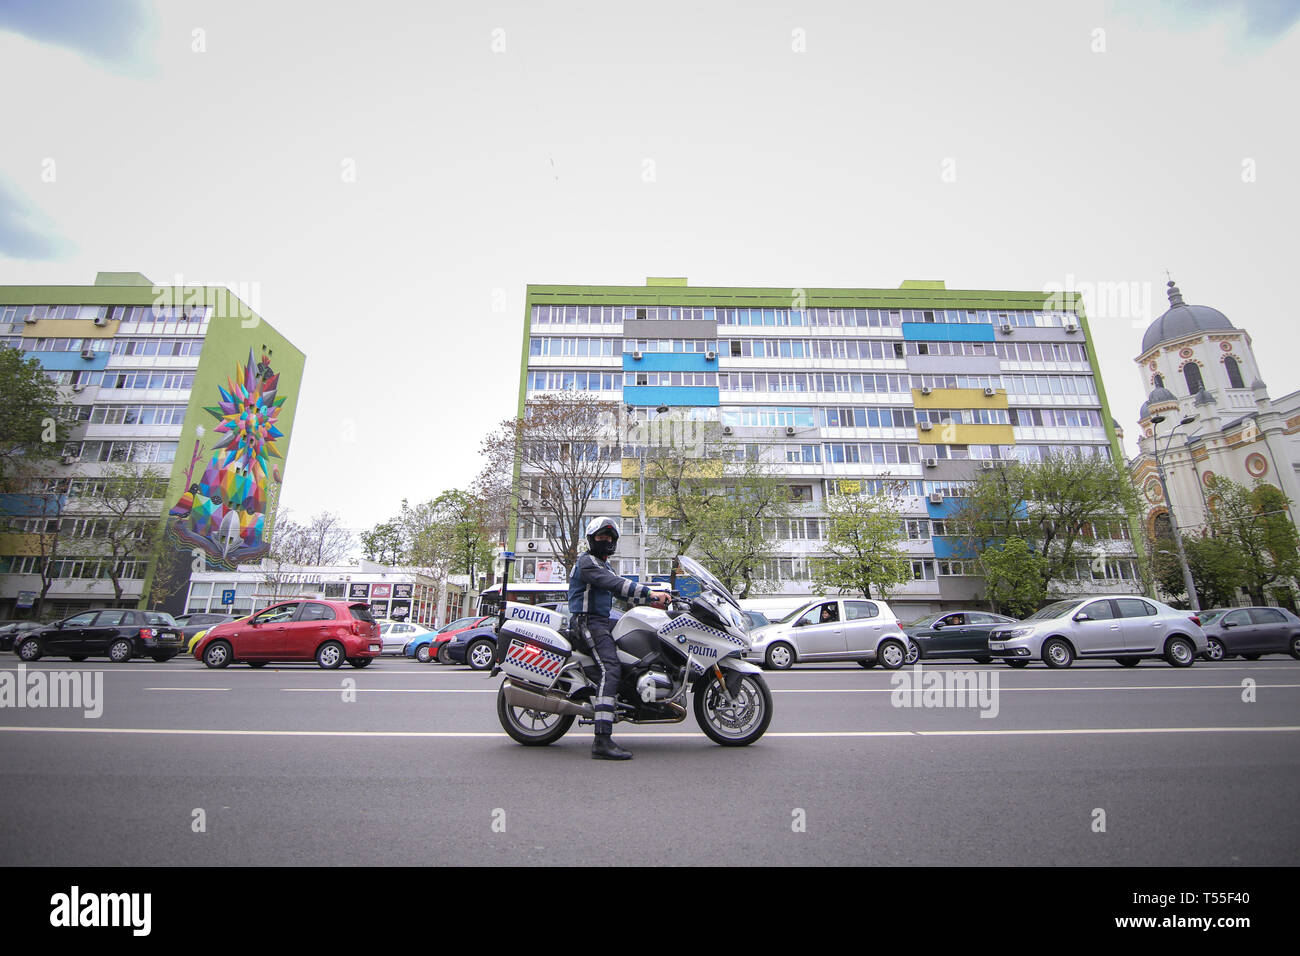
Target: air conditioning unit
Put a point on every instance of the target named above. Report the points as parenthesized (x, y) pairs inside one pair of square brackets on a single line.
[(1071, 326), (636, 356), (532, 545), (30, 319), (710, 356), (526, 503), (101, 320), (789, 429), (1006, 328), (79, 387), (926, 390), (990, 392), (931, 462), (936, 498), (727, 429), (69, 459), (88, 353), (987, 465), (926, 426)]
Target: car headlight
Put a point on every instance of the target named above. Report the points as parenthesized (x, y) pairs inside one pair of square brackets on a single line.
[(1018, 632)]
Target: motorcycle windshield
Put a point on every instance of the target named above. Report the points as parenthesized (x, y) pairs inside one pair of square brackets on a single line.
[(707, 580)]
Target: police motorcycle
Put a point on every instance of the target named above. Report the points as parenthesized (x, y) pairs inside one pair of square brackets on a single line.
[(694, 647)]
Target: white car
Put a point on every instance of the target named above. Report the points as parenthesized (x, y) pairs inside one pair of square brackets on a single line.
[(832, 629), (397, 634), (1123, 627)]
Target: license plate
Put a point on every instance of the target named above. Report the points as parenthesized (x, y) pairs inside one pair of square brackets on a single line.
[(996, 646), (374, 647)]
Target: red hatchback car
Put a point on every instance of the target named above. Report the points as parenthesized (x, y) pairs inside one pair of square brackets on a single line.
[(327, 632)]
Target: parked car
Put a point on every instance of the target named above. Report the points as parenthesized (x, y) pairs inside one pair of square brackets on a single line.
[(398, 636), (475, 646), (435, 649), (754, 619), (1250, 632), (847, 629), (327, 632), (116, 633), (192, 624), (1123, 628), (10, 631), (953, 634)]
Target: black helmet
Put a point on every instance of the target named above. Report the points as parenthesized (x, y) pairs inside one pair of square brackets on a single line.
[(594, 527)]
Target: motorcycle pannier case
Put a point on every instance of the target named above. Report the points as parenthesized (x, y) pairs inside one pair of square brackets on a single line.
[(534, 653)]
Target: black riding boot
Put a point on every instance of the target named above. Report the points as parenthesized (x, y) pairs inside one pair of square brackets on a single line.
[(604, 748)]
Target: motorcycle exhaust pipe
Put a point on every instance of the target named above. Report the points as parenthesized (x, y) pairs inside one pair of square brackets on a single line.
[(547, 702)]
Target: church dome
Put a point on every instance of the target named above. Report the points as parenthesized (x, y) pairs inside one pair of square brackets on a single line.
[(1182, 320)]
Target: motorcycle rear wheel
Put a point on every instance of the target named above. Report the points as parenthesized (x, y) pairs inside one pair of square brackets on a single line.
[(738, 724), (530, 727)]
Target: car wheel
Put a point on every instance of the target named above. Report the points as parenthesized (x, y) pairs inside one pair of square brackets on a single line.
[(891, 655), (1058, 653), (360, 661), (480, 654), (1295, 647), (422, 654), (1129, 661), (258, 663), (30, 650), (330, 655), (1251, 657), (780, 656), (119, 652), (217, 654), (1180, 652), (444, 654), (77, 657), (1017, 663), (913, 652), (1214, 650)]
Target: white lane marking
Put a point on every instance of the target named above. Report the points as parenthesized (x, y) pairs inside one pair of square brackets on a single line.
[(650, 736), (1003, 690), (401, 690), (187, 688)]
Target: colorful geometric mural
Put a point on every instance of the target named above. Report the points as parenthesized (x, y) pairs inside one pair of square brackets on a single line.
[(224, 511)]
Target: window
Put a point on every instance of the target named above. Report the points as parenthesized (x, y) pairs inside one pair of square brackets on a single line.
[(1098, 611), (821, 614), (110, 618), (1134, 607), (1237, 618), (1267, 615), (1192, 372), (280, 614), (1234, 372), (317, 612), (860, 610), (80, 620)]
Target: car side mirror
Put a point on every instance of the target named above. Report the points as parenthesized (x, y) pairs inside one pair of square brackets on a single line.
[(58, 625), (255, 623), (938, 626), (1229, 623), (1082, 617)]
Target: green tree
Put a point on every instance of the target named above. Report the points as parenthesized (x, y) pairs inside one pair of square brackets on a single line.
[(735, 537), (1013, 577), (1216, 570), (382, 543), (1256, 524), (31, 430), (1054, 505), (863, 546)]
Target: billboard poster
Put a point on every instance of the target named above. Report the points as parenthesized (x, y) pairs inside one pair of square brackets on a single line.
[(399, 610), (381, 591), (402, 591), (358, 592)]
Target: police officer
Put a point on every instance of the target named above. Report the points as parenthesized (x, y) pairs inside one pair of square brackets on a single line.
[(592, 588)]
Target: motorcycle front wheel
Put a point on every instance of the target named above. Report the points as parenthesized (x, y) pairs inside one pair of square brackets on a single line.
[(740, 722), (532, 728)]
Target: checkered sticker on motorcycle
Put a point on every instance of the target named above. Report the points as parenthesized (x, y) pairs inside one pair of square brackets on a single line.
[(532, 662)]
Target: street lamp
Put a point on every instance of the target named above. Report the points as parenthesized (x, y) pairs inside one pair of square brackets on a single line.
[(1169, 504)]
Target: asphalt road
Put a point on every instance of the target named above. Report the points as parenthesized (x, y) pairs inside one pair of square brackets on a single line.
[(415, 769)]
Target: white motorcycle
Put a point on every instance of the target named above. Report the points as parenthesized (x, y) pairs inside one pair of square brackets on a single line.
[(695, 646)]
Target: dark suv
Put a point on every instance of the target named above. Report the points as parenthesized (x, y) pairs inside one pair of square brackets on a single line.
[(116, 633)]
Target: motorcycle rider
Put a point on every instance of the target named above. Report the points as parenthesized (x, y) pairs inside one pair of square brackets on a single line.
[(592, 588)]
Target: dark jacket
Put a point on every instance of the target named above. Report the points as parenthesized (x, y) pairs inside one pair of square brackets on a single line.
[(593, 587)]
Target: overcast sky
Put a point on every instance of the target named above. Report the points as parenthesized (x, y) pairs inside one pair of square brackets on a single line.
[(388, 179)]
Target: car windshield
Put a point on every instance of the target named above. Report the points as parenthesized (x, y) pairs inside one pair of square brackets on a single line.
[(793, 614), (1059, 609), (1213, 614), (927, 621), (456, 625)]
